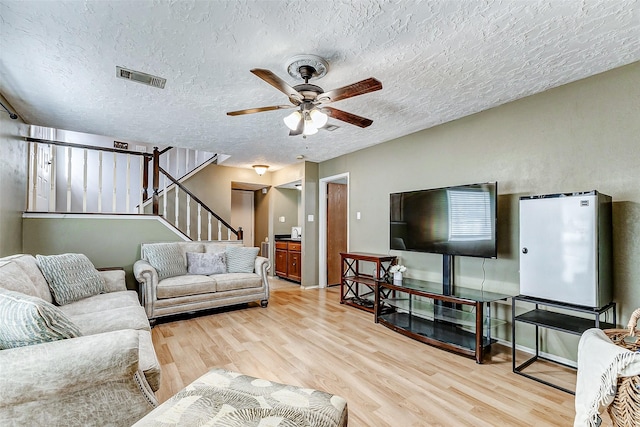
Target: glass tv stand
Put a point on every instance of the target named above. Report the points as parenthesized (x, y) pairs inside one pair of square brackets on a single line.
[(453, 321)]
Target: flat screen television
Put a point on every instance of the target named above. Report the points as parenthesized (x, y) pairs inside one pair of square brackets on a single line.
[(459, 220)]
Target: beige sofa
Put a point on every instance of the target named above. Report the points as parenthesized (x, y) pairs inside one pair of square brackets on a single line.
[(105, 376), (183, 292)]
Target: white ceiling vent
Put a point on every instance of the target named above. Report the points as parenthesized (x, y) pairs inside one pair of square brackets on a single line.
[(140, 77)]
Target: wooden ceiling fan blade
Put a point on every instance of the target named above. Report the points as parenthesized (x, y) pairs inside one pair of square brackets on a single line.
[(279, 84), (348, 117), (355, 89), (259, 110)]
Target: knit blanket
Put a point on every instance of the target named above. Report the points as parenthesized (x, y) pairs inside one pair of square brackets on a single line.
[(600, 364)]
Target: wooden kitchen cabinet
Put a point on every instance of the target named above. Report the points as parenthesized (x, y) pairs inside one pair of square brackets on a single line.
[(289, 260), (281, 259)]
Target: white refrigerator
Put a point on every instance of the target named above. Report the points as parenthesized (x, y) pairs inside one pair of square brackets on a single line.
[(565, 248)]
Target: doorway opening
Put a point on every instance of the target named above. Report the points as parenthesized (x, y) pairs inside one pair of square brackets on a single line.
[(333, 227)]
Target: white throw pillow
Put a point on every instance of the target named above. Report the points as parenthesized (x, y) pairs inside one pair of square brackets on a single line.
[(203, 263)]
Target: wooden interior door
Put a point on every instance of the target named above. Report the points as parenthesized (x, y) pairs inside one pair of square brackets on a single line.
[(336, 230)]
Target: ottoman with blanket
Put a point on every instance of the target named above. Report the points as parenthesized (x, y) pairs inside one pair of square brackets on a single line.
[(225, 398)]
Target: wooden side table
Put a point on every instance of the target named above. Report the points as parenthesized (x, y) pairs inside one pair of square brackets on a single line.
[(360, 273)]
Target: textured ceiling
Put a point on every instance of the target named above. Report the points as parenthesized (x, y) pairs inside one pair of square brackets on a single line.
[(437, 61)]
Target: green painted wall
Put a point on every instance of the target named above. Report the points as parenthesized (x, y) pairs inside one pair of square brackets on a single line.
[(13, 181), (285, 204), (107, 242), (310, 225), (213, 185), (578, 137)]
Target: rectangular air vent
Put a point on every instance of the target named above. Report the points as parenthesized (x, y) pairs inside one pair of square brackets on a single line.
[(140, 77)]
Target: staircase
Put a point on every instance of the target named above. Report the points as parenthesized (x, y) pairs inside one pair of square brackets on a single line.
[(68, 177)]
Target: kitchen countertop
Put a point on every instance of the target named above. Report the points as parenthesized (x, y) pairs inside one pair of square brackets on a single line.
[(287, 239)]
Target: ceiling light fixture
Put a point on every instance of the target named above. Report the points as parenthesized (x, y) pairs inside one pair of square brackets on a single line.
[(292, 120), (260, 169), (312, 119), (309, 127), (318, 117)]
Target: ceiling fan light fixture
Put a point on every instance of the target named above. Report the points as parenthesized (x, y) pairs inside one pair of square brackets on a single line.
[(260, 169), (309, 128), (318, 117), (292, 120)]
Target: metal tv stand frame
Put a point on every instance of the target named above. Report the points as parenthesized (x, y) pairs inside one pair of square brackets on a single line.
[(543, 318)]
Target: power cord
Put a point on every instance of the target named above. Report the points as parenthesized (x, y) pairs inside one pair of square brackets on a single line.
[(484, 275)]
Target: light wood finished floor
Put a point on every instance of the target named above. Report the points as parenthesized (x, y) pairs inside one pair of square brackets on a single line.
[(307, 338)]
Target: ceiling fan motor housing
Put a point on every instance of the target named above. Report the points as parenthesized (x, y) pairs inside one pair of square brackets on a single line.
[(308, 91)]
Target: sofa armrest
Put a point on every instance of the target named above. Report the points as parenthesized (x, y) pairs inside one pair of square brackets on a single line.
[(261, 267), (147, 277), (88, 380), (114, 280)]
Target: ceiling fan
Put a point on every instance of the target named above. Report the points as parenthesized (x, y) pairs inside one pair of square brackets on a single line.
[(310, 100)]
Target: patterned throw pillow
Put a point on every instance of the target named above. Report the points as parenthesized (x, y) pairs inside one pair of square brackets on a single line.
[(241, 259), (71, 277), (202, 263), (28, 320), (166, 258)]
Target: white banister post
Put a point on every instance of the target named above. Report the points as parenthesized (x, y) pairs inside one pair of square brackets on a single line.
[(188, 214), (165, 195), (84, 181), (100, 182), (140, 175), (113, 201), (208, 225), (68, 179), (177, 207), (219, 230), (177, 162), (53, 157), (186, 161), (127, 204), (199, 222)]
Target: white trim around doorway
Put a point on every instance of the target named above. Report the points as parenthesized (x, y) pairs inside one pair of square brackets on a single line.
[(322, 224)]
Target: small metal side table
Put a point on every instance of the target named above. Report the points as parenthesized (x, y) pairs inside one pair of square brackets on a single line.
[(542, 318)]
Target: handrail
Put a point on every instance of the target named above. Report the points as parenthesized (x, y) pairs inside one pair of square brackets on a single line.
[(145, 177), (238, 232), (86, 147)]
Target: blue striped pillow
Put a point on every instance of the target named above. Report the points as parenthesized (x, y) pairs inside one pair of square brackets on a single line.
[(28, 320), (241, 259)]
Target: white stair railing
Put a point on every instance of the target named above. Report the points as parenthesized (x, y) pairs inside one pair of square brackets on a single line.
[(67, 177)]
